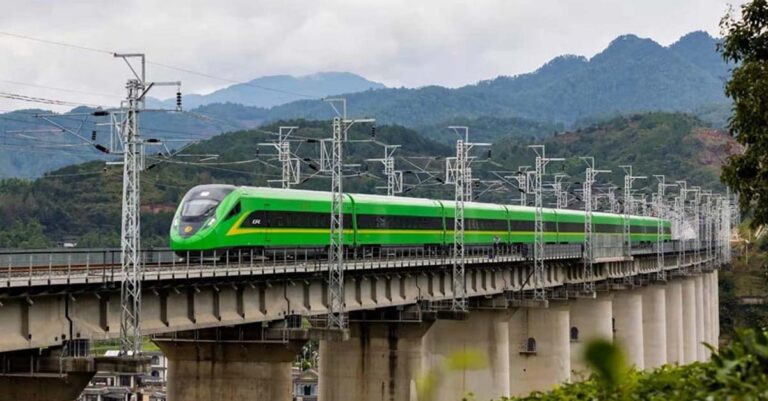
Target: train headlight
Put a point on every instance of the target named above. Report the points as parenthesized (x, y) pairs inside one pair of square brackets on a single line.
[(176, 223), (211, 222)]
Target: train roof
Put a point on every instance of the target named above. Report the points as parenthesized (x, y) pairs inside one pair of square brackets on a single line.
[(304, 194)]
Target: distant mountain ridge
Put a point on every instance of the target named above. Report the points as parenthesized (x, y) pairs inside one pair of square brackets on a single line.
[(631, 75), (281, 89)]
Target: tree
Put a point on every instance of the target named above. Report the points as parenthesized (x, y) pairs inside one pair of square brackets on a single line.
[(745, 43)]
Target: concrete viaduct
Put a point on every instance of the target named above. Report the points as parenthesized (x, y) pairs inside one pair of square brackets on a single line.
[(232, 330)]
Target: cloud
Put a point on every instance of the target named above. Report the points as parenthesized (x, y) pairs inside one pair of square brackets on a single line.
[(398, 42)]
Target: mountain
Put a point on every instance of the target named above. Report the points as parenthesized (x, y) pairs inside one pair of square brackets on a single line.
[(84, 200), (631, 75), (274, 90), (33, 142)]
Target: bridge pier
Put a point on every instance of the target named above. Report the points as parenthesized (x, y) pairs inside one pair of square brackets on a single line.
[(484, 332), (628, 325), (215, 365), (380, 361), (674, 317), (689, 321), (654, 309), (706, 313), (715, 294), (700, 328), (548, 363), (590, 320)]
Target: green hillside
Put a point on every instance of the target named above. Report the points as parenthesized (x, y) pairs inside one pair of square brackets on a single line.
[(83, 200)]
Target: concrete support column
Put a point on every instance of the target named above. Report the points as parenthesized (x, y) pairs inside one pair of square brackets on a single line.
[(218, 371), (484, 332), (674, 317), (628, 325), (689, 321), (590, 319), (716, 308), (654, 326), (381, 361), (549, 362), (707, 312), (700, 333)]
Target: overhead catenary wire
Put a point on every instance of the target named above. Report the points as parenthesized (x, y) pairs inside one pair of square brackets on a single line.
[(155, 63)]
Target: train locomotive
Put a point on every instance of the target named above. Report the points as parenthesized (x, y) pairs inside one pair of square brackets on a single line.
[(218, 219)]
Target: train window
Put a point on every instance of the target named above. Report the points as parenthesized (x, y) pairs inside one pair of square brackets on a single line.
[(372, 221), (198, 207), (522, 225), (234, 212), (293, 219)]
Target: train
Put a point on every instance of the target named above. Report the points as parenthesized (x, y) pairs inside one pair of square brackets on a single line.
[(219, 218)]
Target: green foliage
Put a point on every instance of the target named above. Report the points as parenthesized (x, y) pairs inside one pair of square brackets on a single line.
[(745, 43), (23, 234), (738, 372), (83, 201), (608, 362)]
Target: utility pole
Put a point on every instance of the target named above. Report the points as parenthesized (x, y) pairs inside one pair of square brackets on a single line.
[(130, 234), (629, 179), (697, 228), (661, 274), (394, 177), (341, 125), (290, 166), (539, 292), (589, 251), (458, 171), (561, 196), (523, 183)]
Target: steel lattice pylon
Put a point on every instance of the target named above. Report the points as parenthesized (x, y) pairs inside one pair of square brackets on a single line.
[(460, 192), (539, 292), (336, 251), (340, 127), (459, 173), (132, 149), (589, 250), (661, 273), (130, 243)]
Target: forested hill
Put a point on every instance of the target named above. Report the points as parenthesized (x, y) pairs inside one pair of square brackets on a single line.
[(83, 201), (631, 75)]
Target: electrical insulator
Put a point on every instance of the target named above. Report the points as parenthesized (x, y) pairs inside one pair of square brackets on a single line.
[(178, 100), (489, 153), (93, 136), (373, 131)]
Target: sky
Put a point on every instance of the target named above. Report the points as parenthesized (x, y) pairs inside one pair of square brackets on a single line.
[(409, 43)]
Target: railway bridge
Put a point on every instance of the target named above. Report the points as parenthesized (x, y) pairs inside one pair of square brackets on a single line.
[(232, 329)]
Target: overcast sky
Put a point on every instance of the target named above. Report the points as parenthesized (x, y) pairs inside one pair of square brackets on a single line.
[(397, 42)]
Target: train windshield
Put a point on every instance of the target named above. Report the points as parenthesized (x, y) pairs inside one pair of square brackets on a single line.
[(198, 207)]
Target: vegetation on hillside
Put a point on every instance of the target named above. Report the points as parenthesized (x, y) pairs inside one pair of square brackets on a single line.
[(83, 201), (745, 43), (737, 372)]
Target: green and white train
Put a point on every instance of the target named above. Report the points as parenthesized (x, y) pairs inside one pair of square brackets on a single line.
[(222, 218)]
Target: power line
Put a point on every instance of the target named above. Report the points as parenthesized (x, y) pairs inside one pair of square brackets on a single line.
[(57, 89), (168, 66), (55, 102), (56, 43)]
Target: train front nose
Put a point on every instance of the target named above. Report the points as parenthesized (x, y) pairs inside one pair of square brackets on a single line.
[(195, 215)]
